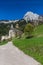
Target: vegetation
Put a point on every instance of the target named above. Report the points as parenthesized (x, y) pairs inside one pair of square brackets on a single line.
[(28, 30), (32, 46), (4, 29), (3, 42), (38, 30)]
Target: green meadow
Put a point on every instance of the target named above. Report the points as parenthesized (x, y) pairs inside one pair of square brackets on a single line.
[(32, 46)]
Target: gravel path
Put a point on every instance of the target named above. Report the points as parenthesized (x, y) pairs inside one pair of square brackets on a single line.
[(11, 55)]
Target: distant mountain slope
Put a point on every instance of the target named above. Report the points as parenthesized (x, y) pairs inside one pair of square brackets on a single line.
[(30, 16)]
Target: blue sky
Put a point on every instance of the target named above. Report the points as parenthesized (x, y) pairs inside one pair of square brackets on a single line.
[(15, 9)]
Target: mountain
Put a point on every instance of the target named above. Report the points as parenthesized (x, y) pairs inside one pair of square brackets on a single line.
[(8, 21), (30, 16)]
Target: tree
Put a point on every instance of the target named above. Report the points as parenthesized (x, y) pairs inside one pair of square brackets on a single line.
[(28, 30)]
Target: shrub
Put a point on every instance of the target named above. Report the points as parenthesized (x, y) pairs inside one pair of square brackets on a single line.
[(29, 28)]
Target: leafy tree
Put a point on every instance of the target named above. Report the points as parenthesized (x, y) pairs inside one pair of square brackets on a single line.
[(28, 30)]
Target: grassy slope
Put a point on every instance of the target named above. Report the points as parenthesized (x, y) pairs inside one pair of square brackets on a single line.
[(39, 30), (33, 46)]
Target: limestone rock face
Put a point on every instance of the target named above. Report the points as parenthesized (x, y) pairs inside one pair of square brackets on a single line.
[(30, 16)]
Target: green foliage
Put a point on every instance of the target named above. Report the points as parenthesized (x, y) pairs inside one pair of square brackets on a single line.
[(32, 46), (28, 29), (22, 24), (4, 29)]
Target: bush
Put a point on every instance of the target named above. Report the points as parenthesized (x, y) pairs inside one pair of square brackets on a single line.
[(28, 30)]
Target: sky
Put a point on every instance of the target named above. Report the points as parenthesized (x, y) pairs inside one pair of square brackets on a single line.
[(15, 9)]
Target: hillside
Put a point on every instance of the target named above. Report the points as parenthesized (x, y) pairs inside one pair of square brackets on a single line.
[(39, 31), (32, 46)]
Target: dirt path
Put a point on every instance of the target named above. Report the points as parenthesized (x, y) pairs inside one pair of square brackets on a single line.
[(11, 55)]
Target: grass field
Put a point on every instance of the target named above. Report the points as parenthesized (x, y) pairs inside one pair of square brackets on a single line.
[(39, 30), (3, 42), (32, 46)]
